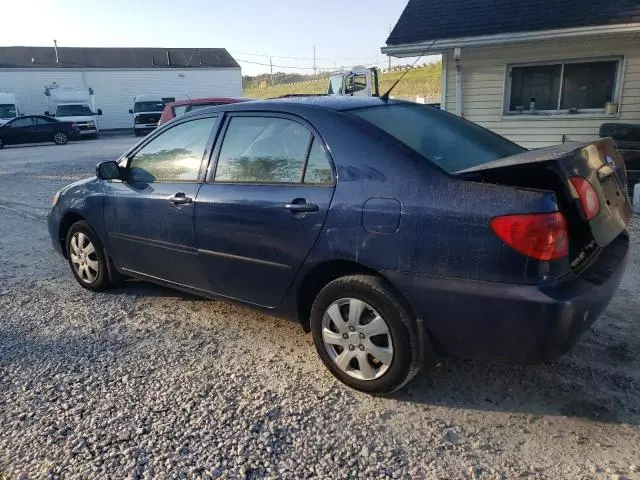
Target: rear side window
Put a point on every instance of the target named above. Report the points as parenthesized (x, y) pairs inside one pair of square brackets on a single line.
[(173, 156), (263, 150), (448, 141), (179, 110), (318, 167)]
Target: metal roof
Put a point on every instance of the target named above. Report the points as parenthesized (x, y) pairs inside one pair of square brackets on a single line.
[(426, 20), (81, 57)]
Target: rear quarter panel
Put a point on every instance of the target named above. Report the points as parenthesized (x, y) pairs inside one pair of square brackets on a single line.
[(444, 222)]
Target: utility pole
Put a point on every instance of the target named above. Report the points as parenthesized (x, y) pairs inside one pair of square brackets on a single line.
[(271, 65), (314, 59)]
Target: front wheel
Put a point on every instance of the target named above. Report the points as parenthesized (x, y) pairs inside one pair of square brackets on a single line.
[(86, 257), (361, 331), (61, 138)]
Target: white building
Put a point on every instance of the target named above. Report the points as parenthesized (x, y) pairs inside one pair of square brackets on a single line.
[(117, 75), (539, 72)]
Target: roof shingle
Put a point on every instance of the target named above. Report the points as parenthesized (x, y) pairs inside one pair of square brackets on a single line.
[(425, 20), (80, 57)]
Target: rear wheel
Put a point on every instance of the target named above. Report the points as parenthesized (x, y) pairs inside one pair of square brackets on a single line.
[(86, 257), (361, 331), (61, 138)]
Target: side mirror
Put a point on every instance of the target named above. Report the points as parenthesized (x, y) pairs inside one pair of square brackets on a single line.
[(108, 171), (130, 111), (99, 111), (47, 113)]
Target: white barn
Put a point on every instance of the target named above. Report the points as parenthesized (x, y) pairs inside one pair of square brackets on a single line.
[(117, 75)]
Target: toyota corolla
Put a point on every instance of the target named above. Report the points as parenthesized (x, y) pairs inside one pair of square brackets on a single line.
[(393, 232)]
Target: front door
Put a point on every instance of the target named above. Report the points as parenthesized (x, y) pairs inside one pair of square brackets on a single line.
[(263, 208), (20, 130), (149, 217)]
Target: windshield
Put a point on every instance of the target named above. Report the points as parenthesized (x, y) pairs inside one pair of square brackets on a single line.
[(148, 107), (73, 111), (448, 141), (8, 110)]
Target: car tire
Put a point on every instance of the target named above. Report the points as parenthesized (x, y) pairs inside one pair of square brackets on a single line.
[(61, 138), (86, 257), (371, 350), (1, 143)]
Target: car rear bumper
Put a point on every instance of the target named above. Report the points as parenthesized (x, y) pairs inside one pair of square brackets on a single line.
[(520, 323)]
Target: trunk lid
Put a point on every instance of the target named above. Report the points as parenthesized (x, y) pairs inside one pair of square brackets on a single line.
[(598, 162)]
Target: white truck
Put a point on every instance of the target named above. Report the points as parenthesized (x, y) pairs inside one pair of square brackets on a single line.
[(147, 110), (9, 107), (73, 104), (357, 82)]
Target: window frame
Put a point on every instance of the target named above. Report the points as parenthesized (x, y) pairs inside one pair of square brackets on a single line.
[(126, 159), (617, 88), (315, 136)]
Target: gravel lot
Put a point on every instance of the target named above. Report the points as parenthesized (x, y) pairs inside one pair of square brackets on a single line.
[(144, 382)]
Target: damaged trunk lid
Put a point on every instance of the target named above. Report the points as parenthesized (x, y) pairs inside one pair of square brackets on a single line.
[(563, 169)]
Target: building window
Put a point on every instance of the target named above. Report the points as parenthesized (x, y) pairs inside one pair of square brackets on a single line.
[(563, 87)]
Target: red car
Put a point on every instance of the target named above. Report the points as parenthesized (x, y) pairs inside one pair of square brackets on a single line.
[(174, 109)]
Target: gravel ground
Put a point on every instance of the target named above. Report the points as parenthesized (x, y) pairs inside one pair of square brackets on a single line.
[(143, 382)]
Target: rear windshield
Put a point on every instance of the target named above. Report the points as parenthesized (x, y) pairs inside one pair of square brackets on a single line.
[(448, 141)]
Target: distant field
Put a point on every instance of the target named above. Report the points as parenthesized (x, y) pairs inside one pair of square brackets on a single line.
[(420, 81)]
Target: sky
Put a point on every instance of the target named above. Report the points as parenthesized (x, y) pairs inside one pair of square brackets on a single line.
[(344, 33)]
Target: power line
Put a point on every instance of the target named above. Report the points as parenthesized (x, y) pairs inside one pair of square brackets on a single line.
[(249, 54)]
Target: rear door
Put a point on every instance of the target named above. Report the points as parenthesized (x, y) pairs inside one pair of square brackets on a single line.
[(263, 206), (45, 128)]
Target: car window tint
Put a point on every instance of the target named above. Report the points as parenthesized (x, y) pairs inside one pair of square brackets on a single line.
[(175, 155), (262, 149), (179, 109), (449, 141), (318, 167), (43, 121), (22, 122)]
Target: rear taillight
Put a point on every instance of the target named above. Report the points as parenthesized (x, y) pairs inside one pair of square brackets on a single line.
[(588, 197), (542, 236)]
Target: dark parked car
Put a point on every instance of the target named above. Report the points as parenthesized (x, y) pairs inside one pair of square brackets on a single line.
[(37, 128), (393, 231), (175, 109)]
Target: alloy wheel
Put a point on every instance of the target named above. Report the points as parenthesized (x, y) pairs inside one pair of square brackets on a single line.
[(60, 138), (84, 258), (357, 339)]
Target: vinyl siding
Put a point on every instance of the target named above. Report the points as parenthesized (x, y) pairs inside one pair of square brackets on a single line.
[(114, 90), (483, 88)]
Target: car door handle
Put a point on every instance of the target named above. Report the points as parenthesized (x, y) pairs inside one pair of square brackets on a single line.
[(301, 207), (180, 199)]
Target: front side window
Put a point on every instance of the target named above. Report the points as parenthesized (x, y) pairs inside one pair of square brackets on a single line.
[(263, 150), (562, 87), (173, 156), (22, 122)]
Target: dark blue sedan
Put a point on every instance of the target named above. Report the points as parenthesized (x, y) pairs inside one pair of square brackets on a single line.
[(394, 232)]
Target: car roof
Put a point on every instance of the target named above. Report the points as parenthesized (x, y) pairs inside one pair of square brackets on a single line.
[(299, 103), (192, 101)]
